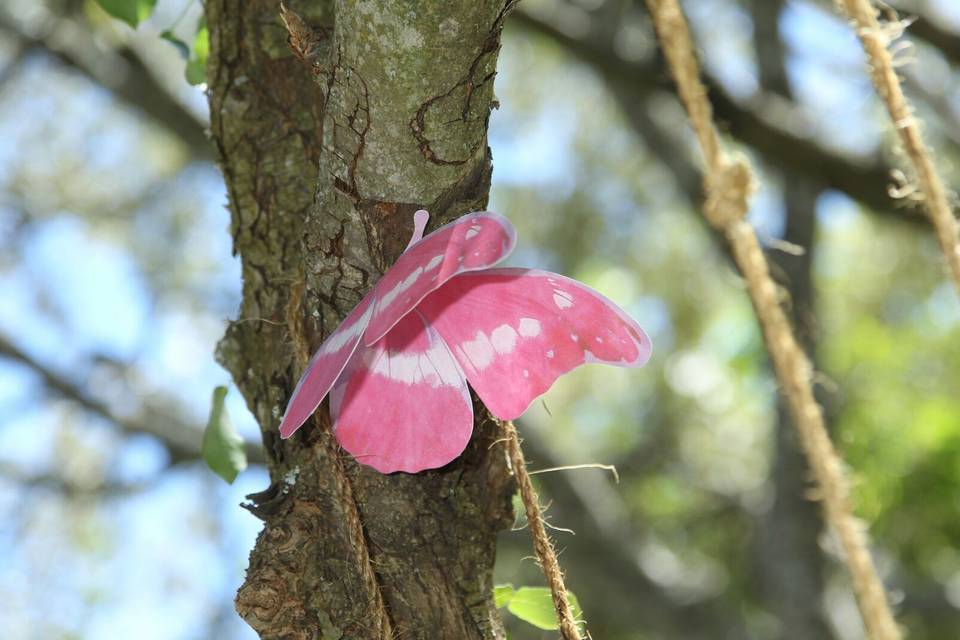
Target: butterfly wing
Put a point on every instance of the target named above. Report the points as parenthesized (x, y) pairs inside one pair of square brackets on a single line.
[(515, 331), (475, 241), (325, 367), (403, 404)]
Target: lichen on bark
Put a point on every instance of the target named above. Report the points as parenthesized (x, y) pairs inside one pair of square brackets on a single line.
[(324, 163)]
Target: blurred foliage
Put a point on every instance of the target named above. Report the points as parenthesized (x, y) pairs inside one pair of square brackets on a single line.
[(117, 277), (222, 447), (533, 605), (133, 12), (197, 62)]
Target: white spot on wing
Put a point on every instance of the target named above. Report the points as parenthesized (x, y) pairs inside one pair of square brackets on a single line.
[(562, 299), (434, 366), (504, 338), (550, 353), (529, 327), (478, 352), (399, 288), (445, 366), (472, 231), (344, 335), (434, 262)]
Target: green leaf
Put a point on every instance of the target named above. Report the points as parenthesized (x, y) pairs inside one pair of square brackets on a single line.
[(502, 594), (197, 65), (178, 44), (222, 448), (133, 12), (534, 605), (519, 511)]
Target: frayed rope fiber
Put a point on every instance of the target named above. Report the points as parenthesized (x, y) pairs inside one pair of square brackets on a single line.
[(541, 541), (875, 40), (728, 184)]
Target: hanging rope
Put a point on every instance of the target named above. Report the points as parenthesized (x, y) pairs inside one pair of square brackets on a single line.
[(875, 42), (541, 541), (728, 183)]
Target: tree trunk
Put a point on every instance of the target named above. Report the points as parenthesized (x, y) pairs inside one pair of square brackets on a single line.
[(324, 164), (789, 561)]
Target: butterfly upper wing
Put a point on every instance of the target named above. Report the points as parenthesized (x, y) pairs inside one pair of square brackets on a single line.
[(515, 331), (403, 404), (475, 241), (325, 366)]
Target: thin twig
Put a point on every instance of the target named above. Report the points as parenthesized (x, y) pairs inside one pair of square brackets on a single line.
[(573, 467), (729, 182), (876, 41), (541, 541)]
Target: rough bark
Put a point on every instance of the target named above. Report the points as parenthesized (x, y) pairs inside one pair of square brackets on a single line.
[(323, 169)]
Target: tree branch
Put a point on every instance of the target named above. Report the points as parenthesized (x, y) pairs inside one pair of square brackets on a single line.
[(181, 441), (633, 83), (59, 484), (120, 71)]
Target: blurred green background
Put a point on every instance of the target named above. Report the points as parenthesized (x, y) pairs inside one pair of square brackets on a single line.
[(116, 281)]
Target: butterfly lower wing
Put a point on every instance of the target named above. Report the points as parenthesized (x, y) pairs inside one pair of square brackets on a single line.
[(326, 366), (403, 404), (475, 241), (515, 331)]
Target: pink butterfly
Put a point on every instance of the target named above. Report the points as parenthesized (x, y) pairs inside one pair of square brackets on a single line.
[(397, 367)]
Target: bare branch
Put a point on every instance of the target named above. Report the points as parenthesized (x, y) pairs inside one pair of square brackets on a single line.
[(120, 71), (633, 83), (59, 484), (181, 440)]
